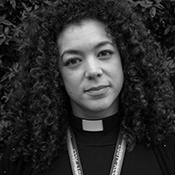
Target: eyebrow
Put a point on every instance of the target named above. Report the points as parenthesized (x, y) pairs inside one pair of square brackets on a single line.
[(103, 43), (70, 51), (98, 45)]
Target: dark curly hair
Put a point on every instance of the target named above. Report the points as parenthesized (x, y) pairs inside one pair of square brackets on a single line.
[(36, 120)]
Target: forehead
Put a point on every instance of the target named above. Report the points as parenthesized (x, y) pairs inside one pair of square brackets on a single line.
[(88, 32)]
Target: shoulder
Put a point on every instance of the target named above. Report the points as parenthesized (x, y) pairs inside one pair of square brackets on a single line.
[(7, 167), (169, 146), (166, 153)]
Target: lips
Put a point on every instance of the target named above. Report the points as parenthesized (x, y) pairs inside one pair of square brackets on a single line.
[(96, 88)]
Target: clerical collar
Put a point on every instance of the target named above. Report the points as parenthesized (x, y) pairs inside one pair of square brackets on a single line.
[(103, 124)]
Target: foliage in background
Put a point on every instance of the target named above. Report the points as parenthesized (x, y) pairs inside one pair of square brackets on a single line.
[(12, 15), (158, 15)]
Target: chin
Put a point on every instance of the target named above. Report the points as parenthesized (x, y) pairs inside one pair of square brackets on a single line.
[(102, 109)]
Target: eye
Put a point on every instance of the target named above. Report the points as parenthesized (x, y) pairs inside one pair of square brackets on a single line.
[(73, 62), (105, 54)]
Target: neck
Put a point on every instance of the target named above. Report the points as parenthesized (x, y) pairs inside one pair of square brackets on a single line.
[(106, 123), (95, 114)]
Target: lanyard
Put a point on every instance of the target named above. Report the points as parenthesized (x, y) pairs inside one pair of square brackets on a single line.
[(75, 159)]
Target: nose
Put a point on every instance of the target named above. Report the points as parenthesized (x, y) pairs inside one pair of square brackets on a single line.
[(93, 69)]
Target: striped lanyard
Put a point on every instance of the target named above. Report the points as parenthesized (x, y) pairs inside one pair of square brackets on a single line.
[(75, 159)]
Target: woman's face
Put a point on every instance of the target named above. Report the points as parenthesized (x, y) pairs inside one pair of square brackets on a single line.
[(91, 69)]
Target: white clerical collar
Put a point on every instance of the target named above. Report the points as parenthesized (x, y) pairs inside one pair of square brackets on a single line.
[(92, 125), (103, 124)]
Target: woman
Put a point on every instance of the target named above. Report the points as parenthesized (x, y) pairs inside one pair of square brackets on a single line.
[(92, 84)]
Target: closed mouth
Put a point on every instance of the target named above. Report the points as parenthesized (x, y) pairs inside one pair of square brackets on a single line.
[(96, 88)]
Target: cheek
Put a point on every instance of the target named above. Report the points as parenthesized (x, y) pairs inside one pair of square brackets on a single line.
[(71, 83), (117, 75), (115, 69), (72, 91)]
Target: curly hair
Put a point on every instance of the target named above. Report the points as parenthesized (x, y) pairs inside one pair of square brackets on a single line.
[(37, 118)]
